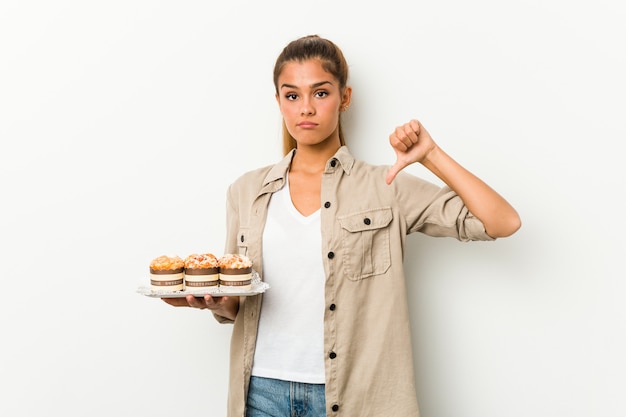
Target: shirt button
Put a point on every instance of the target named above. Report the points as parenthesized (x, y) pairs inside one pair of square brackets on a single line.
[(335, 407), (242, 238), (332, 307), (367, 221), (332, 355), (327, 204), (331, 255), (333, 163)]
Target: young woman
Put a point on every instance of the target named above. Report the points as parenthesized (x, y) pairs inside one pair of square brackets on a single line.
[(328, 232)]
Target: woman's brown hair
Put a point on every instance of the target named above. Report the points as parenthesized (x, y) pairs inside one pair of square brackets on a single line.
[(333, 62)]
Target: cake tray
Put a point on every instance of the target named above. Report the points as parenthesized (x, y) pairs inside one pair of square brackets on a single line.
[(257, 287)]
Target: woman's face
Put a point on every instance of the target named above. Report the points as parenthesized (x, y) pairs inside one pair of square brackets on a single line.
[(310, 100)]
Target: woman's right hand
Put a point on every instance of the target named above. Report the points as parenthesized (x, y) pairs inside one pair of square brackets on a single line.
[(223, 306)]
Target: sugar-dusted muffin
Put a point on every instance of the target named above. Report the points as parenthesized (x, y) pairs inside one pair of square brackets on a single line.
[(167, 273), (201, 271), (235, 272)]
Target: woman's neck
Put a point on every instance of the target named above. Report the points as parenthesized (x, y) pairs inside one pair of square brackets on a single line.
[(312, 159)]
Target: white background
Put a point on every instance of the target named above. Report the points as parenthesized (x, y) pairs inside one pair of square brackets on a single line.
[(123, 122)]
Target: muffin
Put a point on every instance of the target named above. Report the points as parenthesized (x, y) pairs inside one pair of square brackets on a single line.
[(167, 273), (235, 272), (201, 271)]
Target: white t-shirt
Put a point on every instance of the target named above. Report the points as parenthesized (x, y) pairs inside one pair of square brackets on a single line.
[(290, 341)]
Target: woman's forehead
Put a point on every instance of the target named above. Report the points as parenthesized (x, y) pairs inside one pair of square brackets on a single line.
[(304, 73)]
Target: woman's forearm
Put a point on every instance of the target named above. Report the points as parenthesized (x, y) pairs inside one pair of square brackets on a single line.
[(498, 216)]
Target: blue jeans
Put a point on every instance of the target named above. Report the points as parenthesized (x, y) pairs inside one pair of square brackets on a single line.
[(276, 398)]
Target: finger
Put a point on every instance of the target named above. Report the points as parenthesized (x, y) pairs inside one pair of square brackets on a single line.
[(405, 136), (215, 300), (195, 302), (393, 171), (415, 126), (400, 140), (211, 302), (215, 303), (410, 132), (396, 143)]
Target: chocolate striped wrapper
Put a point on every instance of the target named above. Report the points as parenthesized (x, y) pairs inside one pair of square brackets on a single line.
[(170, 280), (240, 278), (199, 278)]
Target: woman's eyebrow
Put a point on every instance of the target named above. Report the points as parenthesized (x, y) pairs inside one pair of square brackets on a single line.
[(315, 85)]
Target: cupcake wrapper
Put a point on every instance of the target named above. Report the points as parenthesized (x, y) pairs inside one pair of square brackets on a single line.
[(235, 271), (235, 283), (193, 284), (166, 283), (201, 271), (166, 271)]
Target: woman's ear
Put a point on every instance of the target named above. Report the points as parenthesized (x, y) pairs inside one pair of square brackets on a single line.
[(345, 99)]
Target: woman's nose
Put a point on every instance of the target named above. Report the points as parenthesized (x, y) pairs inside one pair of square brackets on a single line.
[(307, 108)]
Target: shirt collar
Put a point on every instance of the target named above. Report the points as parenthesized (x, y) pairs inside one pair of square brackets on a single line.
[(345, 158), (275, 178)]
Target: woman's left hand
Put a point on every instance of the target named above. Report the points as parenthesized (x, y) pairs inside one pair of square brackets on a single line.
[(223, 306), (412, 143)]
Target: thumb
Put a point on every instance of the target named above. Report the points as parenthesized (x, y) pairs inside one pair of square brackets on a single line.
[(393, 171)]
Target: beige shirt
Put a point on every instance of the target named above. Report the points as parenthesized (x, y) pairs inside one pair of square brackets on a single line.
[(364, 223)]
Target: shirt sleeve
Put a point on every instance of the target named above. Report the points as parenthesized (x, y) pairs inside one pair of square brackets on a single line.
[(436, 211)]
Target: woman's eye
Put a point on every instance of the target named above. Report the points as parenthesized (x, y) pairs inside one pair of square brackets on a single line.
[(321, 94), (291, 96)]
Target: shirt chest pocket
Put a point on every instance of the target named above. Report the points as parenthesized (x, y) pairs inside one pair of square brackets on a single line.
[(365, 243)]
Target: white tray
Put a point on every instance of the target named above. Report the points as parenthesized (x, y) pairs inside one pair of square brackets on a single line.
[(257, 287)]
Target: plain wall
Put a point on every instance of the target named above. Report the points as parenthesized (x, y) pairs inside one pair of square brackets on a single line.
[(123, 122)]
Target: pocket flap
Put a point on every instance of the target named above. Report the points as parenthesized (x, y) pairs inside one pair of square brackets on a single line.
[(366, 220)]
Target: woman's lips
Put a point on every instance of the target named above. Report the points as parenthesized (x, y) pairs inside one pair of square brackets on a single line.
[(307, 125)]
